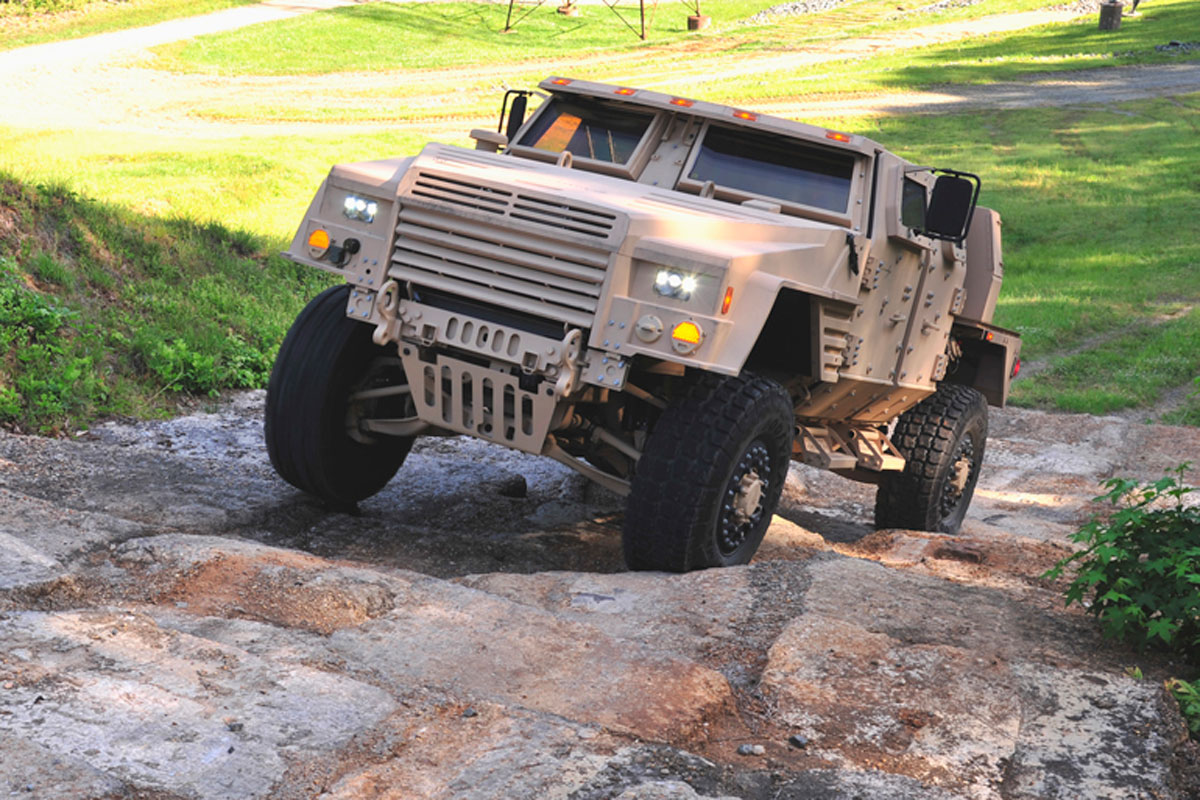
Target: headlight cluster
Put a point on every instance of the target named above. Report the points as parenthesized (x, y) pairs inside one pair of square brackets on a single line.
[(359, 208), (671, 283)]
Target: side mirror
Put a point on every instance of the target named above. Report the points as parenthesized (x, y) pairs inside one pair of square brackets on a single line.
[(951, 205)]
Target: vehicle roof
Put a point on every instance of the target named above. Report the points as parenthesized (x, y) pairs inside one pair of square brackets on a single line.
[(728, 115)]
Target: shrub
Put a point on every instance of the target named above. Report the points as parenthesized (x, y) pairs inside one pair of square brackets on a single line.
[(1188, 695), (1139, 570)]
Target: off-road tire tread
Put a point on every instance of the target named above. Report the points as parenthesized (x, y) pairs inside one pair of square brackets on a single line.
[(321, 357), (926, 435), (688, 458)]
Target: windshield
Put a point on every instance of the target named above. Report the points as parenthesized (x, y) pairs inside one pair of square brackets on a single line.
[(588, 129), (781, 168)]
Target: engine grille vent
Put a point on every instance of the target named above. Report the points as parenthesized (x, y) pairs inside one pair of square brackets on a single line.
[(556, 279), (543, 212)]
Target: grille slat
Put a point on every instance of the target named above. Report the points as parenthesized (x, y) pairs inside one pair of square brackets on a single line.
[(516, 302), (562, 251), (539, 264), (444, 263), (535, 267)]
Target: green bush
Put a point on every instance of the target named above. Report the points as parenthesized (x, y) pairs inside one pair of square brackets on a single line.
[(1188, 695), (1139, 570)]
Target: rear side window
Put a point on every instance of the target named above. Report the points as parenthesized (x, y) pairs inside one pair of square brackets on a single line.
[(588, 129), (912, 205), (775, 166)]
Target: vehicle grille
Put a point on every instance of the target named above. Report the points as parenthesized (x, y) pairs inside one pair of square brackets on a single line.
[(538, 255)]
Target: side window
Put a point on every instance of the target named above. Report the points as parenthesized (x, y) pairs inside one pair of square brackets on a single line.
[(912, 205), (588, 129)]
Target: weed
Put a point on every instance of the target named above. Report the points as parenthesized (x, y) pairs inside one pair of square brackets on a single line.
[(1188, 695), (1139, 571)]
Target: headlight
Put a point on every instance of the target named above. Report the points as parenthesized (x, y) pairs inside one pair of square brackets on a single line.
[(671, 283), (359, 208)]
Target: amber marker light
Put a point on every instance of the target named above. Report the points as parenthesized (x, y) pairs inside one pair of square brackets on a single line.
[(561, 81), (625, 92), (728, 301), (838, 137), (318, 243), (679, 101), (990, 336), (687, 333), (746, 115)]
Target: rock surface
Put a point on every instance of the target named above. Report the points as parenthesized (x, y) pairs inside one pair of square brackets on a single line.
[(178, 623)]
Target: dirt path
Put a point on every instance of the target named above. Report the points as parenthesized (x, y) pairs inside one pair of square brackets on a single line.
[(97, 83)]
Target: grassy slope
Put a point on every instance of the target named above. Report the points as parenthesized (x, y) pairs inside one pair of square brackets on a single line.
[(24, 24), (104, 311)]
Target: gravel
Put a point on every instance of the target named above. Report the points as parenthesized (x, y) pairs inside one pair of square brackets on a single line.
[(793, 9)]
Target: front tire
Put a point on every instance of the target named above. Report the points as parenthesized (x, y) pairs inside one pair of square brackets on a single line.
[(710, 476), (324, 359), (942, 438)]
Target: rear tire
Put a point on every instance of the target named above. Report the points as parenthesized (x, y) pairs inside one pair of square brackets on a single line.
[(942, 438), (324, 358), (710, 476)]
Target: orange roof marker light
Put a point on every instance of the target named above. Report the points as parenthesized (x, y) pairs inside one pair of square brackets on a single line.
[(728, 301), (682, 102), (625, 92), (561, 81), (838, 137), (749, 116)]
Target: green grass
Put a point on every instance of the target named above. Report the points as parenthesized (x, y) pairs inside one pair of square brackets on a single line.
[(380, 36), (1052, 48), (385, 36), (678, 65), (104, 311), (261, 185), (31, 22)]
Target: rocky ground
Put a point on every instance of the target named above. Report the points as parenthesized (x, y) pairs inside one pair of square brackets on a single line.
[(178, 623)]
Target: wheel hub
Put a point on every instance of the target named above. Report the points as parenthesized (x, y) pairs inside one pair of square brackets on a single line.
[(959, 477), (960, 473), (742, 504), (749, 496)]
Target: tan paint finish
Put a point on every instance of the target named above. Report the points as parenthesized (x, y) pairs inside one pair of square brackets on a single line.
[(579, 245)]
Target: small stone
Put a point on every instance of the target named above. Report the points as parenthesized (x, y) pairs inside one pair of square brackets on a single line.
[(745, 750), (511, 486), (469, 712), (234, 726), (796, 740)]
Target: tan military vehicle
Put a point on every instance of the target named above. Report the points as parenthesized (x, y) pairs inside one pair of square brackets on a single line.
[(673, 297)]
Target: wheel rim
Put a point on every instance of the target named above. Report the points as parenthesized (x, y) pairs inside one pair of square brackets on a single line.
[(383, 393), (742, 502), (959, 479)]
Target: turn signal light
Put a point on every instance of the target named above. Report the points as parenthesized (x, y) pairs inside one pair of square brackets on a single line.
[(728, 301), (318, 243), (687, 333)]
